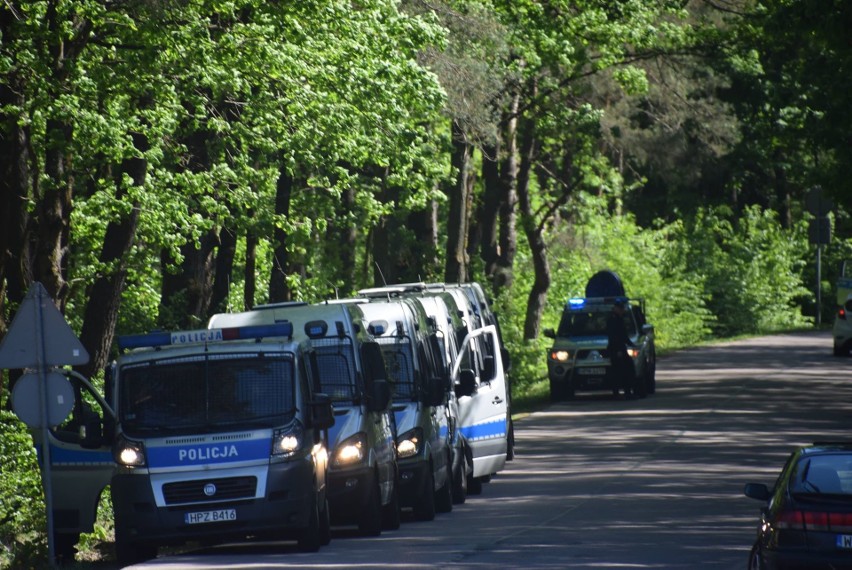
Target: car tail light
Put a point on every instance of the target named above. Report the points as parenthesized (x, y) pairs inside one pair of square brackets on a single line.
[(814, 520), (841, 313)]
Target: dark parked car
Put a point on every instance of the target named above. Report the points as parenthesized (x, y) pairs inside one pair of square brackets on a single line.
[(807, 520)]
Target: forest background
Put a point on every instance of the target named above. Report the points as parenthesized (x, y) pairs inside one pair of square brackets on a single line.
[(164, 160)]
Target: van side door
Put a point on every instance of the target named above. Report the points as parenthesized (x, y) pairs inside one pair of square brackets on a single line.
[(483, 400)]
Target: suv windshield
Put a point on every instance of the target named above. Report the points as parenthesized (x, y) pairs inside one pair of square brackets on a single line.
[(591, 322), (181, 395)]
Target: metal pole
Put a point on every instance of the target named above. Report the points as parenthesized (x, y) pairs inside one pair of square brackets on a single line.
[(818, 282), (41, 350)]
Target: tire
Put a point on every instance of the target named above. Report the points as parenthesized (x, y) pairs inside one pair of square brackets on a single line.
[(424, 508), (129, 553), (309, 537), (65, 547), (510, 441), (444, 497), (325, 525), (652, 372), (390, 513), (474, 485), (460, 480), (370, 523), (755, 560), (556, 392)]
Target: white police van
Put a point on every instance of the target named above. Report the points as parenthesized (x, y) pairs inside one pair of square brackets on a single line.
[(412, 354), (363, 474), (479, 374), (221, 435)]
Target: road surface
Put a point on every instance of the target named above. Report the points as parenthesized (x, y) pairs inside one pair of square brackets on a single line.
[(605, 483)]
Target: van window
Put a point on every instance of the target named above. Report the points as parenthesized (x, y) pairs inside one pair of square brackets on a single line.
[(399, 363), (211, 392), (336, 363)]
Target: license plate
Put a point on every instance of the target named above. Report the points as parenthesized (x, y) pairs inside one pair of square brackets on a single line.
[(210, 516), (844, 541), (591, 371)]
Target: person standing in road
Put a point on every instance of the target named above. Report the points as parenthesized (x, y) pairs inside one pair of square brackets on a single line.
[(617, 342)]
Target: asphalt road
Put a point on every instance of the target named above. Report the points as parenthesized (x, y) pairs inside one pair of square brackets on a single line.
[(604, 483)]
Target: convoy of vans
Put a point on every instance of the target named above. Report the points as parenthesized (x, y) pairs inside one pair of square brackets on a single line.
[(279, 422)]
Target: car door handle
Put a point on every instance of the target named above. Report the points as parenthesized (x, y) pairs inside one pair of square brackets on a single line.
[(497, 400)]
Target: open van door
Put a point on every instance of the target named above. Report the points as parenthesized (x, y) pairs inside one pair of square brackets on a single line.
[(483, 401), (81, 464)]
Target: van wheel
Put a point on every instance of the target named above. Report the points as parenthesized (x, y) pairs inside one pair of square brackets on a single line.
[(128, 553), (510, 441), (325, 525), (424, 508), (460, 481), (309, 538), (474, 485), (370, 523), (65, 546), (444, 498), (390, 512)]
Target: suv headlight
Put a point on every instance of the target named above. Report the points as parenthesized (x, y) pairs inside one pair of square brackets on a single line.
[(129, 453), (560, 355), (350, 452), (410, 443), (632, 352), (287, 441)]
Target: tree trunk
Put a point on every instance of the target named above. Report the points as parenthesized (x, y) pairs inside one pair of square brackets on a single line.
[(278, 289), (225, 254), (534, 233), (488, 215), (250, 272), (508, 202), (456, 269), (186, 295), (15, 181), (104, 297)]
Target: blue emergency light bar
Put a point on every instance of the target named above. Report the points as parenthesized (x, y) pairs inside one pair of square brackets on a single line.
[(580, 302), (157, 339)]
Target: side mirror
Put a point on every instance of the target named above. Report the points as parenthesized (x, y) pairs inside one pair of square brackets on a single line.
[(467, 383), (647, 329), (507, 360), (321, 411), (436, 394), (489, 370), (549, 333), (757, 491), (379, 396)]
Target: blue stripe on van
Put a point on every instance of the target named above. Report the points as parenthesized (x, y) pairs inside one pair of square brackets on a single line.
[(71, 456), (489, 430), (209, 453)]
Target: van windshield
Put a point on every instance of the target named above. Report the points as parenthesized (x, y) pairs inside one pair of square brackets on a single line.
[(399, 362), (213, 393), (336, 363)]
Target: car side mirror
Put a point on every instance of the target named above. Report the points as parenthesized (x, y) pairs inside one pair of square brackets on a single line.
[(647, 329), (321, 411), (549, 333), (436, 394), (467, 383), (757, 491), (379, 396)]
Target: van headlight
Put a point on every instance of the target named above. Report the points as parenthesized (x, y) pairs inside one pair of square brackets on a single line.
[(410, 443), (287, 441), (350, 452), (560, 355), (129, 453)]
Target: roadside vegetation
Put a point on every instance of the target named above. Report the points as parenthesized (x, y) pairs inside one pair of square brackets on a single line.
[(166, 160)]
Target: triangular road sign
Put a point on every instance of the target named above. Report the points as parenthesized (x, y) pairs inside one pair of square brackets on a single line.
[(39, 321)]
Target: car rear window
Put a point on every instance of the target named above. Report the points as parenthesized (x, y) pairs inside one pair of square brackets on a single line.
[(823, 474)]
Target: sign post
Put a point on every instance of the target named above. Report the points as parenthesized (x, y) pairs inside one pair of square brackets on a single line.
[(819, 233), (40, 339)]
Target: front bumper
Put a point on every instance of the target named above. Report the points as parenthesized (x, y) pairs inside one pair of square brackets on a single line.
[(282, 511)]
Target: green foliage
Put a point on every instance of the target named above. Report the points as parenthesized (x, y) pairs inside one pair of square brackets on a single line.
[(22, 514)]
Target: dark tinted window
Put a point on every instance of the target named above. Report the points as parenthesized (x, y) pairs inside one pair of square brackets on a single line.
[(823, 474)]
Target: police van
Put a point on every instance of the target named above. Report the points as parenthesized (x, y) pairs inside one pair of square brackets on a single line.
[(363, 474), (412, 354), (479, 375), (221, 435)]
